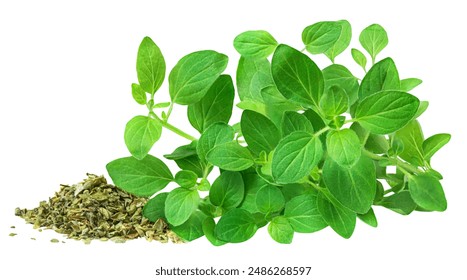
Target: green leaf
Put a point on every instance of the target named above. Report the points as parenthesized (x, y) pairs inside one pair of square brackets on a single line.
[(432, 144), (191, 229), (382, 76), (194, 74), (339, 218), (354, 187), (253, 183), (369, 218), (296, 76), (293, 121), (139, 177), (303, 215), (161, 105), (269, 199), (295, 156), (359, 58), (235, 226), (344, 147), (293, 190), (230, 156), (387, 111), (139, 95), (377, 144), (252, 76), (153, 210), (322, 36), (334, 101), (411, 137), (256, 43), (150, 66), (421, 109), (227, 190), (187, 159), (427, 192), (374, 39), (259, 132), (215, 106), (186, 178), (183, 151), (209, 226), (338, 75), (141, 133), (410, 83), (342, 42), (280, 230), (181, 203), (216, 134), (400, 202)]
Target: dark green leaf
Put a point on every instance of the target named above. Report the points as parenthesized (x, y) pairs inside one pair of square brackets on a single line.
[(141, 133), (400, 202), (411, 137), (256, 43), (293, 190), (192, 229), (382, 76), (410, 83), (427, 192), (369, 218), (334, 101), (181, 203), (230, 156), (253, 183), (374, 39), (227, 190), (338, 75), (280, 230), (322, 36), (432, 144), (214, 135), (150, 66), (186, 178), (339, 218), (359, 58), (140, 177), (293, 121), (153, 210), (209, 226), (377, 144), (183, 151), (139, 95), (269, 199), (344, 147), (259, 132), (303, 215), (235, 226), (342, 42)]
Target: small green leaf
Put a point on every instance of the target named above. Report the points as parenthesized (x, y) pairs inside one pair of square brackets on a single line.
[(191, 229), (187, 159), (293, 121), (227, 190), (400, 202), (427, 192), (269, 199), (411, 137), (150, 66), (256, 43), (338, 75), (230, 156), (215, 106), (295, 156), (139, 95), (432, 144), (161, 105), (235, 226), (216, 134), (421, 109), (377, 144), (339, 218), (253, 75), (141, 133), (186, 178), (253, 183), (280, 230), (334, 101), (410, 83), (209, 226), (374, 39), (342, 42), (183, 151), (259, 132), (369, 218), (153, 210), (387, 111), (303, 215), (181, 203), (139, 177), (296, 76), (382, 76), (344, 147), (359, 58), (194, 74), (322, 36)]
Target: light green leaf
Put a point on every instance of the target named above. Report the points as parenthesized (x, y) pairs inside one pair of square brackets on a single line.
[(256, 43), (411, 137), (150, 66), (321, 36), (295, 156), (209, 226), (401, 203), (214, 135), (338, 75), (227, 190), (139, 177), (186, 178), (141, 133), (421, 109), (432, 144), (427, 192), (296, 76), (382, 76), (139, 95), (187, 159), (369, 218), (153, 210), (181, 203), (293, 121), (334, 101), (259, 132), (269, 199), (161, 105), (303, 215), (387, 111), (410, 83), (252, 76), (230, 156), (194, 74), (377, 144), (215, 106), (374, 39), (191, 229), (280, 230), (359, 58), (344, 147), (235, 226), (342, 42), (339, 218)]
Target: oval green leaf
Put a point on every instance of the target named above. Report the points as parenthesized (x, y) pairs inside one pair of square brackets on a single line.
[(280, 230), (382, 76), (230, 156), (259, 132), (228, 190), (216, 134), (303, 215), (359, 58), (191, 229), (235, 226), (181, 203), (255, 43), (269, 199), (153, 210), (150, 66), (374, 39), (139, 95), (321, 36), (432, 144), (344, 147), (339, 218), (342, 42), (293, 121), (141, 132), (427, 192)]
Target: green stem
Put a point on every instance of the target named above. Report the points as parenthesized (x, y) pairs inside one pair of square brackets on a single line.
[(321, 131), (169, 111), (403, 166), (173, 128)]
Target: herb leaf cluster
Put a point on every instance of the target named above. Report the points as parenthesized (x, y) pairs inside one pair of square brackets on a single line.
[(314, 147)]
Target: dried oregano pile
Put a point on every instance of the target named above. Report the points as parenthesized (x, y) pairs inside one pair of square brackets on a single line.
[(94, 209)]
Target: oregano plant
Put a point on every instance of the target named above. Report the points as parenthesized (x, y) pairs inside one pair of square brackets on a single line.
[(315, 146)]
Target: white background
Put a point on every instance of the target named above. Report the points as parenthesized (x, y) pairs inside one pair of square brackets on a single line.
[(65, 75)]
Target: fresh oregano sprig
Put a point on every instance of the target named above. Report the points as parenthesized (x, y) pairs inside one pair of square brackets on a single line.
[(313, 147)]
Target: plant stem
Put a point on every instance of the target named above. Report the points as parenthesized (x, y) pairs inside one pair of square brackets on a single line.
[(321, 131), (173, 128), (397, 162), (169, 111)]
